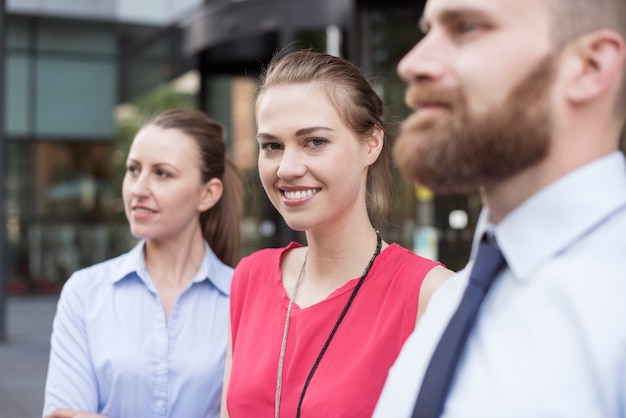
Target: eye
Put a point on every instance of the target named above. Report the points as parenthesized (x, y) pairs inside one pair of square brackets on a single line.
[(132, 169), (270, 146), (315, 142), (162, 174), (468, 27)]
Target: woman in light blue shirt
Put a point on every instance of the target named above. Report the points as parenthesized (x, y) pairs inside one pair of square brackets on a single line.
[(144, 334)]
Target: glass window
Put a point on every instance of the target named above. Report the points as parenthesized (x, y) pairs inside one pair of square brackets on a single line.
[(18, 94), (63, 209), (158, 60), (18, 33), (75, 97)]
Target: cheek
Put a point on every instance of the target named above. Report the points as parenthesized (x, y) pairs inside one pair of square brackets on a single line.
[(126, 199), (187, 192), (489, 83), (126, 193), (267, 172), (481, 85)]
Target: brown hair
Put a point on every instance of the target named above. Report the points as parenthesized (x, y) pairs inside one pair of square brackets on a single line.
[(221, 223), (574, 18), (356, 102)]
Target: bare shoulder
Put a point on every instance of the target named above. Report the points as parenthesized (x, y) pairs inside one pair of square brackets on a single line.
[(433, 279)]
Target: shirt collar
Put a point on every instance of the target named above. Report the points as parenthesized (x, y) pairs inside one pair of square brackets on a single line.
[(211, 268), (132, 263), (558, 215)]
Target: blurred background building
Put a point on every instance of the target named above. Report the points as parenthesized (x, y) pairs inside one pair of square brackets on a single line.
[(81, 74), (68, 65)]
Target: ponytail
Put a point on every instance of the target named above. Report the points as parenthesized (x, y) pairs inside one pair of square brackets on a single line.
[(221, 224)]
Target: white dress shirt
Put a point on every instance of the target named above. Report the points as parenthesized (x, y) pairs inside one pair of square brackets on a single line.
[(550, 338), (114, 353)]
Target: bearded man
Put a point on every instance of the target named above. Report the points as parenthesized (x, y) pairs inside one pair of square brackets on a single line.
[(525, 101)]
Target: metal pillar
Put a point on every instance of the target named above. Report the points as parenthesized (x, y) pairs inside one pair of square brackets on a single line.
[(3, 159)]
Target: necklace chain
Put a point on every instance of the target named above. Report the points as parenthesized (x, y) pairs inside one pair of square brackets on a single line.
[(283, 346)]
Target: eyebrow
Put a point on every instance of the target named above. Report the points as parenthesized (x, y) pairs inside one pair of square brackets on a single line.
[(299, 132), (452, 15), (264, 136), (157, 165), (307, 131)]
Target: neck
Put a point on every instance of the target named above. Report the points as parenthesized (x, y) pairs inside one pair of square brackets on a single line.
[(335, 258), (502, 197), (174, 263)]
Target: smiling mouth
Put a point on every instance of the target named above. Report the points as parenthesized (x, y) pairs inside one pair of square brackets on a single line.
[(299, 194), (143, 210)]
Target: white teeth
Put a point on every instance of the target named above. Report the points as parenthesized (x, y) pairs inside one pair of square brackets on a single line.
[(300, 194), (143, 210)]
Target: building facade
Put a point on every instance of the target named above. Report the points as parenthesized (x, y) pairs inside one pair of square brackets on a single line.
[(68, 64)]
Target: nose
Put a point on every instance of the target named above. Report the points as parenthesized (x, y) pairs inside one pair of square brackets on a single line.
[(140, 185), (425, 61), (291, 165)]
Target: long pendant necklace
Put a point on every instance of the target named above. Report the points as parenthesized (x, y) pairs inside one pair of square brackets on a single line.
[(281, 359), (283, 345)]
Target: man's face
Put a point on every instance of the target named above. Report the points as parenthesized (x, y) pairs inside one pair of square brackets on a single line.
[(479, 84)]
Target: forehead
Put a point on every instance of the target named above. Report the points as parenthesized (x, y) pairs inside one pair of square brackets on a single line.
[(295, 105), (504, 10), (162, 144)]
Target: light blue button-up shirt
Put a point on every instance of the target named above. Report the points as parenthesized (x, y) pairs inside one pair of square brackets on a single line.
[(550, 338), (114, 353)]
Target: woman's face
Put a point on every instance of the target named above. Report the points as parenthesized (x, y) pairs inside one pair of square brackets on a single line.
[(313, 167), (162, 190)]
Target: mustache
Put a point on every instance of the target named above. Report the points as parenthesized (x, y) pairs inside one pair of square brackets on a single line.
[(421, 94)]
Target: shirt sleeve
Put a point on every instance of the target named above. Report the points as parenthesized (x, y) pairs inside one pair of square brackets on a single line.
[(71, 381)]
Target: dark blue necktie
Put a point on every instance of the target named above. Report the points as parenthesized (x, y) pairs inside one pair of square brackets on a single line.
[(440, 371)]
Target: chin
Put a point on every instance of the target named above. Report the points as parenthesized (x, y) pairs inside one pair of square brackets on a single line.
[(139, 234), (298, 227), (297, 224)]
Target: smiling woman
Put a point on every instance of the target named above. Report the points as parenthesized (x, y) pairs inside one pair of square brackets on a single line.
[(146, 331), (332, 315)]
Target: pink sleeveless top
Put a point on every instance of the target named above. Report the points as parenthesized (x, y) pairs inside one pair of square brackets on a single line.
[(352, 372)]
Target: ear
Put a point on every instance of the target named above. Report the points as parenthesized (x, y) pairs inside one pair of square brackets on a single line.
[(211, 194), (599, 58), (374, 144)]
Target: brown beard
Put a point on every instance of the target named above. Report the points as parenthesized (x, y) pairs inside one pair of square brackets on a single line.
[(459, 152)]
